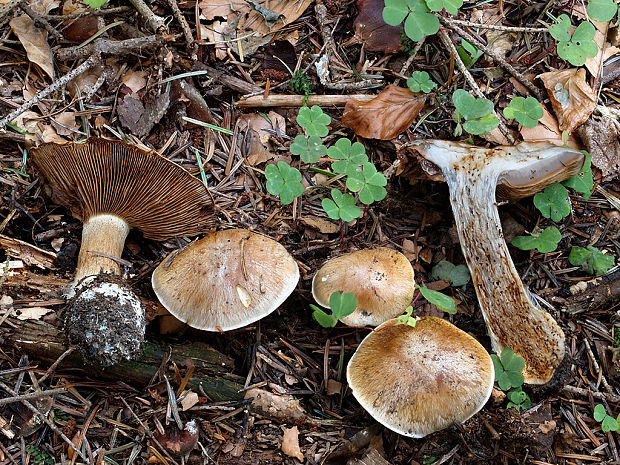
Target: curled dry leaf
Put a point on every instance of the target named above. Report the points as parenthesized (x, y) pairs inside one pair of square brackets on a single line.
[(547, 129), (35, 43), (605, 49), (256, 131), (600, 134), (290, 443), (372, 31), (384, 117), (573, 100)]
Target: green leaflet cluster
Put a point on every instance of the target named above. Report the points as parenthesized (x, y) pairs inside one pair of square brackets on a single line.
[(508, 367)]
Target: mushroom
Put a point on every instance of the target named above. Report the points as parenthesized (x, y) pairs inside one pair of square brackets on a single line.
[(226, 280), (381, 279), (113, 186), (473, 174), (418, 380)]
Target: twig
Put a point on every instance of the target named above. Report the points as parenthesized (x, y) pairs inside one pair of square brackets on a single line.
[(187, 32), (495, 27), (56, 85), (37, 18), (587, 392), (107, 46), (415, 51), (597, 368), (282, 100), (6, 10), (89, 12), (156, 23), (443, 35), (54, 365), (32, 395)]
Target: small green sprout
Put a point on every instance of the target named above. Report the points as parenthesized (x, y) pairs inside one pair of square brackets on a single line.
[(527, 111), (553, 202), (441, 301), (310, 149), (602, 10), (39, 457), (420, 81), (518, 399), (95, 3), (407, 319), (545, 241), (368, 182), (313, 120), (508, 367), (284, 180), (419, 22), (349, 156), (341, 305), (608, 423), (457, 275), (342, 207), (591, 259), (477, 112), (582, 182), (451, 6), (300, 83), (469, 53), (575, 48)]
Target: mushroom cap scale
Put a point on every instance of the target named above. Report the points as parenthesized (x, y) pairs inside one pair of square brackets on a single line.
[(226, 280), (381, 279), (144, 189), (418, 380)]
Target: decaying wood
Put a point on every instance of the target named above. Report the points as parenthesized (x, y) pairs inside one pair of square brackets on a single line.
[(28, 253), (600, 294), (281, 100), (45, 342)]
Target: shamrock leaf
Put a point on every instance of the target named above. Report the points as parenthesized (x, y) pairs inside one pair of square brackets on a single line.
[(457, 275), (351, 156), (591, 259), (441, 301), (313, 120), (478, 112), (420, 81), (553, 202), (284, 180), (508, 367), (560, 31), (310, 149), (395, 11), (407, 319), (368, 182), (326, 320), (608, 423), (547, 241), (451, 6), (342, 303), (518, 399), (527, 111), (342, 207), (583, 181), (602, 10), (468, 53), (576, 48), (95, 3)]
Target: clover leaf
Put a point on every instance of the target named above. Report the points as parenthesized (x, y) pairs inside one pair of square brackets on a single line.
[(95, 3), (527, 111), (478, 112), (350, 156), (310, 149), (419, 22), (451, 6), (284, 180), (575, 48), (368, 182), (342, 207), (341, 304), (582, 182), (602, 10), (560, 30), (457, 275), (508, 367), (313, 120), (608, 423), (468, 53), (407, 319), (545, 242), (420, 81), (518, 399), (591, 259), (553, 202), (442, 301)]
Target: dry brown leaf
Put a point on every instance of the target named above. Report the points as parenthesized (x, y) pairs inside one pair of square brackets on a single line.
[(135, 80), (64, 123), (547, 129), (189, 400), (605, 50), (43, 7), (333, 387), (257, 132), (290, 443), (386, 116), (573, 100), (325, 226), (34, 42), (600, 135), (372, 31)]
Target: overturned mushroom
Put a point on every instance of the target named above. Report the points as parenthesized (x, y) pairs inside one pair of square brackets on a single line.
[(226, 280), (112, 187), (381, 279), (473, 174), (418, 380)]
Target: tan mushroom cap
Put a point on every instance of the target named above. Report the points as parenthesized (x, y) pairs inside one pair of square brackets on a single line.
[(381, 279), (418, 380), (226, 280)]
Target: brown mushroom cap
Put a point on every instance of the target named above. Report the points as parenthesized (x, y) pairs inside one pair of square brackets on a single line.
[(381, 279), (418, 380), (226, 280)]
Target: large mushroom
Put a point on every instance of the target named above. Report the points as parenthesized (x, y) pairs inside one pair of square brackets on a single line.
[(473, 174), (418, 380), (226, 280), (113, 186)]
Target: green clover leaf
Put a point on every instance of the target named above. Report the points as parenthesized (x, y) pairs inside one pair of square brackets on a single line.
[(527, 111), (576, 48), (451, 6), (553, 202), (442, 301), (310, 149), (591, 260), (468, 53), (518, 399), (407, 319), (313, 120), (342, 207), (457, 275), (419, 22), (602, 10), (350, 156), (284, 180), (342, 303), (395, 12), (368, 182), (478, 112), (95, 3), (508, 367), (545, 242), (608, 423), (326, 320), (582, 182), (420, 81), (560, 31)]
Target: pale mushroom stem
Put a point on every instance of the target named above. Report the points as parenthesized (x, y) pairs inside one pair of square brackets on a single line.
[(103, 239)]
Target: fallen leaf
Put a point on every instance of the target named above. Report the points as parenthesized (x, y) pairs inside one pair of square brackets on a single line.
[(410, 250), (333, 387), (600, 136), (43, 7), (324, 226), (34, 42), (135, 80), (189, 400), (573, 100), (130, 110), (501, 42), (57, 243), (384, 117), (547, 426), (605, 50), (547, 129), (372, 31), (278, 59), (257, 132), (290, 443), (32, 313), (64, 123), (81, 29)]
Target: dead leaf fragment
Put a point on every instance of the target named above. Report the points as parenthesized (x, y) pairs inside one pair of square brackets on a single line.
[(32, 313), (290, 443), (386, 116), (257, 131), (573, 100), (324, 226), (600, 135), (372, 31), (547, 129), (35, 43)]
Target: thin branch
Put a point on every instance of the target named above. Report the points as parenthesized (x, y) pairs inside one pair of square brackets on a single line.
[(495, 27), (156, 23)]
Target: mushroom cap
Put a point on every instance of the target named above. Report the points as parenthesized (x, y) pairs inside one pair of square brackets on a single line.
[(418, 380), (146, 190), (226, 280), (381, 279)]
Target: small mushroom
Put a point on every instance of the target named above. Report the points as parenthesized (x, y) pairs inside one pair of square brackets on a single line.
[(226, 280), (418, 380), (473, 174), (381, 279), (112, 187)]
